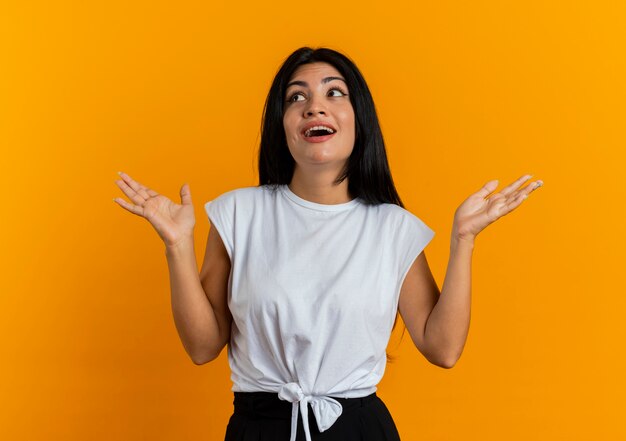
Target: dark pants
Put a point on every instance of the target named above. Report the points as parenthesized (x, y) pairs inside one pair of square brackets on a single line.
[(262, 416)]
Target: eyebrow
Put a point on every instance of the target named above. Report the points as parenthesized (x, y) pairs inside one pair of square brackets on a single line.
[(305, 84)]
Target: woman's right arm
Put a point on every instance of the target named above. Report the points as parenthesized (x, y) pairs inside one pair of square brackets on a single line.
[(199, 301)]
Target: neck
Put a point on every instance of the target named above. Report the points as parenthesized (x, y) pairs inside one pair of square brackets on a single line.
[(319, 187)]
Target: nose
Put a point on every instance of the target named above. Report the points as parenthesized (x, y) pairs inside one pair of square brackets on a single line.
[(315, 106)]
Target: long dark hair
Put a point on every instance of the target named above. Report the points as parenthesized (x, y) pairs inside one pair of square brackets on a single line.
[(367, 168)]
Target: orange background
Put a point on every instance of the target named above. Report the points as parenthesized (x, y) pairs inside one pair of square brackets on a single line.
[(173, 93)]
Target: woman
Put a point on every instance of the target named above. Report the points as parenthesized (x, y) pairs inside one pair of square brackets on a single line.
[(304, 274)]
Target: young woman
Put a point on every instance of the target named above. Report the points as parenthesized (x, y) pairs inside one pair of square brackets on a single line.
[(304, 274)]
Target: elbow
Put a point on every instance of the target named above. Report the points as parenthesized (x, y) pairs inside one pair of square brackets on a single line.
[(447, 365), (445, 362), (199, 361), (204, 357)]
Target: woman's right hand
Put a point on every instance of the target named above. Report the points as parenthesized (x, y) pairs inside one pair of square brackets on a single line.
[(173, 222)]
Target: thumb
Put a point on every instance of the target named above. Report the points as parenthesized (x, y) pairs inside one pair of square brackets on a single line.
[(185, 194)]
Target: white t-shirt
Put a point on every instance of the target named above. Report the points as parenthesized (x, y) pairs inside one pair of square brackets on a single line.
[(313, 292)]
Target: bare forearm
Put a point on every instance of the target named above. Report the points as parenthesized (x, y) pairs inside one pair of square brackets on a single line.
[(195, 320), (447, 326)]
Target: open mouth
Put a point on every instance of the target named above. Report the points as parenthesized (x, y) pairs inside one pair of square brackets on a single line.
[(318, 133)]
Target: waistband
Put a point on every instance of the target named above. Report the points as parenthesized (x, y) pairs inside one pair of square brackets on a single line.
[(268, 405), (286, 403)]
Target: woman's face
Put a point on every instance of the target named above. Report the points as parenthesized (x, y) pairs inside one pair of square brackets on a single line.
[(318, 95)]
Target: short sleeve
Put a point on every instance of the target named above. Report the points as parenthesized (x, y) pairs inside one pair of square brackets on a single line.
[(414, 236), (220, 212)]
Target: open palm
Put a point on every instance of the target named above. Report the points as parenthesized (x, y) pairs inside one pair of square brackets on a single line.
[(478, 210), (173, 222)]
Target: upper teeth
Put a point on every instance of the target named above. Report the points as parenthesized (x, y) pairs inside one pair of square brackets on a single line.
[(308, 132)]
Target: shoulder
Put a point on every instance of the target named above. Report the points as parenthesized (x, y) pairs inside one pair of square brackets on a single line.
[(403, 221), (240, 195), (397, 213)]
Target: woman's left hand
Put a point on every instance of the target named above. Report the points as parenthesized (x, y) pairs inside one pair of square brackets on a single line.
[(478, 211)]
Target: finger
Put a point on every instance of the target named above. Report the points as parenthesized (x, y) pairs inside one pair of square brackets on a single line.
[(138, 187), (512, 204), (129, 207), (185, 194), (487, 188), (132, 194), (141, 189), (524, 192), (509, 189), (521, 195)]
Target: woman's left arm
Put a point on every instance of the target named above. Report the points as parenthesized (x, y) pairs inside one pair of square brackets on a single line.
[(440, 331), (447, 326)]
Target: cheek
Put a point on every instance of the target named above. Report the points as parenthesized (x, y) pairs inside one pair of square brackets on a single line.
[(348, 121), (288, 122), (290, 130), (286, 126)]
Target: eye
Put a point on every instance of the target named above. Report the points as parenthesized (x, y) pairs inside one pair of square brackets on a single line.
[(291, 98), (336, 89)]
